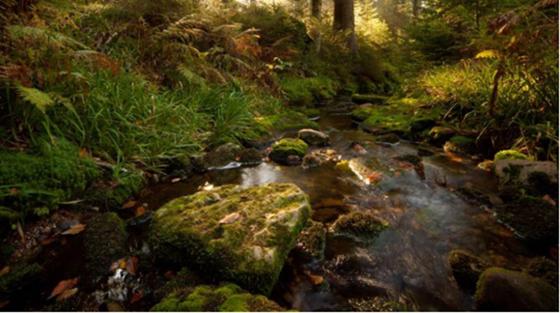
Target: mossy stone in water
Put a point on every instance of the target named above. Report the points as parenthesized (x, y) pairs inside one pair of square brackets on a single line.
[(360, 226), (311, 242), (439, 135), (505, 290), (466, 268), (362, 112), (232, 233), (460, 144), (227, 298), (104, 242), (510, 155), (284, 148)]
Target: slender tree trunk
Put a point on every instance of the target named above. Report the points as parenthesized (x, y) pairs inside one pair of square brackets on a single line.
[(344, 20), (316, 6), (316, 9), (494, 97), (415, 9)]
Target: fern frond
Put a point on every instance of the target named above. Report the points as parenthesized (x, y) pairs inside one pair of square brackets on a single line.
[(44, 35)]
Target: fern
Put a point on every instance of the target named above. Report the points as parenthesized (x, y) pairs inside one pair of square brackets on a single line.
[(38, 98), (44, 36)]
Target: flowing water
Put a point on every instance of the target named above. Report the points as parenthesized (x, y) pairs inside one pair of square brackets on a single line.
[(427, 217), (406, 264)]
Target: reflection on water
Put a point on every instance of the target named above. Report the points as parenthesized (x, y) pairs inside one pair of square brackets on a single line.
[(427, 218)]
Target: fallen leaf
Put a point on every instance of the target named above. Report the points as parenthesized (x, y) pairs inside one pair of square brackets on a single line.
[(67, 294), (83, 152), (63, 285), (4, 270), (136, 296), (549, 199), (375, 177), (114, 307), (315, 279), (132, 265), (75, 229), (140, 211), (129, 204), (120, 263)]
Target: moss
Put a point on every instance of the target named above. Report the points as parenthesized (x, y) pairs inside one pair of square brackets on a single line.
[(120, 187), (510, 155), (286, 120), (19, 279), (502, 289), (226, 298), (362, 112), (466, 268), (306, 91), (231, 233), (50, 173), (312, 242), (439, 135), (286, 147), (104, 242), (368, 98), (309, 112), (360, 226), (460, 144)]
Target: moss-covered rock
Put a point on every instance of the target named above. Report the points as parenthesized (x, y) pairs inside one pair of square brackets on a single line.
[(387, 138), (287, 120), (466, 268), (510, 155), (232, 233), (104, 242), (544, 268), (222, 155), (311, 242), (362, 112), (359, 226), (113, 191), (284, 148), (422, 124), (225, 298), (460, 144), (439, 135), (19, 279), (313, 137), (533, 218), (519, 172), (499, 289)]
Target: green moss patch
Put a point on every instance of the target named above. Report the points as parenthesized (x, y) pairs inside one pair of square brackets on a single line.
[(226, 298), (368, 98), (360, 226), (284, 148), (306, 91), (232, 233), (510, 155), (104, 243)]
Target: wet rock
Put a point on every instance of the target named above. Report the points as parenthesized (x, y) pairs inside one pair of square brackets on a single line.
[(486, 165), (359, 226), (320, 157), (222, 155), (388, 138), (356, 285), (519, 171), (466, 268), (422, 124), (378, 304), (104, 242), (545, 269), (439, 135), (505, 290), (250, 156), (532, 218), (422, 152), (510, 155), (369, 98), (284, 148), (460, 144), (251, 250), (225, 298), (313, 137), (311, 242)]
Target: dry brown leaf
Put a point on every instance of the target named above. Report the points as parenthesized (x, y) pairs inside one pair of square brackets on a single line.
[(136, 296), (114, 307), (132, 265), (4, 270), (75, 229), (67, 294), (375, 177), (64, 285), (129, 204), (140, 211)]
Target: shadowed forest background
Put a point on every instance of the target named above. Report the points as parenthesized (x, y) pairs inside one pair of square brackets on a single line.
[(106, 105)]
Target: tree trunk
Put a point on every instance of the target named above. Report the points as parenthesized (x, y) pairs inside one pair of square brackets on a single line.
[(415, 9), (344, 20), (316, 9)]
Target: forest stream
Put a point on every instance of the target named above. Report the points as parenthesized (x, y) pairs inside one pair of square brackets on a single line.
[(406, 264)]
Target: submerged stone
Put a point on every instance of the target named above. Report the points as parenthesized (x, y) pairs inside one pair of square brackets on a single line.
[(359, 226), (285, 148), (544, 268), (466, 268), (505, 290), (232, 233), (439, 135), (225, 298), (313, 137)]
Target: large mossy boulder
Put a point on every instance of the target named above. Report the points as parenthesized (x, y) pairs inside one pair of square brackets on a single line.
[(104, 243), (288, 151), (205, 298), (466, 268), (499, 289), (232, 233)]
